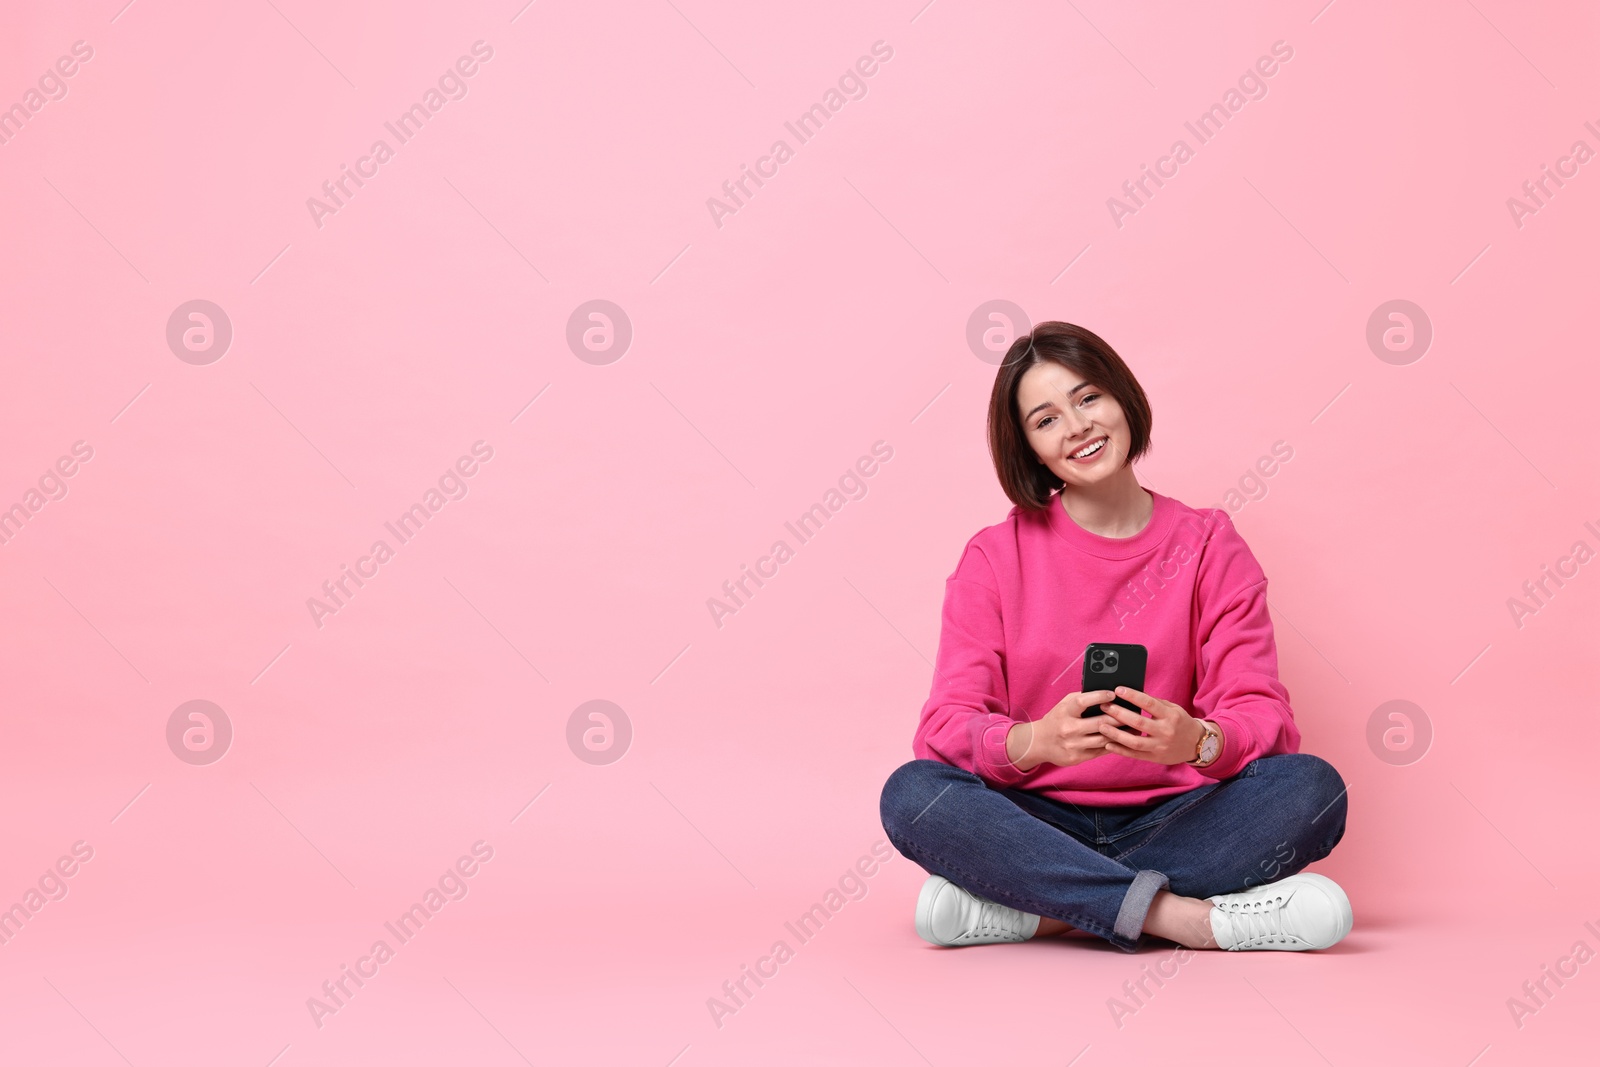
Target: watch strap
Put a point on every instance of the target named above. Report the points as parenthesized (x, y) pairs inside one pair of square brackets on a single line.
[(1208, 729)]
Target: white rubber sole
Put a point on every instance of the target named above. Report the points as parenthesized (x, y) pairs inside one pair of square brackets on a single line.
[(929, 890)]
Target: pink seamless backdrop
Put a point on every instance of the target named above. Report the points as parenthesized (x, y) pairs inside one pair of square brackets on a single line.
[(771, 347)]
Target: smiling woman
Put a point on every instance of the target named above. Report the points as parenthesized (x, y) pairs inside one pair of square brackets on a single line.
[(1009, 762), (1084, 420)]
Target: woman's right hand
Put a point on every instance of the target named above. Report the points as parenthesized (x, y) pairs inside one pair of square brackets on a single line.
[(1062, 736)]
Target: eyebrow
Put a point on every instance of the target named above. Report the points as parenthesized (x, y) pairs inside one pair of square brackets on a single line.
[(1051, 403)]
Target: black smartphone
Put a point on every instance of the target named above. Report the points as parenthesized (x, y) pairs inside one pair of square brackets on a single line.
[(1106, 666)]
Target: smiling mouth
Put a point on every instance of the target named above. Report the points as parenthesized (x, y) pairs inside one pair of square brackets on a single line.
[(1093, 449)]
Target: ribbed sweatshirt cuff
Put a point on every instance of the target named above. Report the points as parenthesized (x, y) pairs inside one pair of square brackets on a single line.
[(993, 762), (1238, 747)]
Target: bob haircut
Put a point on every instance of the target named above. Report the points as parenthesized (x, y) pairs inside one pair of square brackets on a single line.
[(1026, 480)]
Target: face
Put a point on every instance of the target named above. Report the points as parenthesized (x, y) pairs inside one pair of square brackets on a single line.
[(1062, 414)]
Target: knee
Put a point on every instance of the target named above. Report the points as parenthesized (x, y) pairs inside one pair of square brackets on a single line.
[(910, 791), (1318, 791), (1324, 783)]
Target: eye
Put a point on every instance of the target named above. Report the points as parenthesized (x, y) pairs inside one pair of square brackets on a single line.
[(1088, 398), (1044, 422)]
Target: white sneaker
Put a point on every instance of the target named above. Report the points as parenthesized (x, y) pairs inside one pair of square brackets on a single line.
[(1300, 912), (949, 915)]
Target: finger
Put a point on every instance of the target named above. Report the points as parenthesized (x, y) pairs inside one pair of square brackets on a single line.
[(1123, 715), (1090, 699), (1117, 737), (1092, 714), (1144, 700), (1123, 750)]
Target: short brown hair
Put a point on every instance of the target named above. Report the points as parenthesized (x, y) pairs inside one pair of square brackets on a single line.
[(1026, 481)]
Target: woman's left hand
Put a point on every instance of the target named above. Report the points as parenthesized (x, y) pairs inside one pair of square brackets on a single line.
[(1171, 733)]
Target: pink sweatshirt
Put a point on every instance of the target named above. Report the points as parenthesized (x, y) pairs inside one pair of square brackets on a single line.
[(1028, 595)]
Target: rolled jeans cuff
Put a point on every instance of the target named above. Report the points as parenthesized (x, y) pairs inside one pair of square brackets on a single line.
[(1136, 904)]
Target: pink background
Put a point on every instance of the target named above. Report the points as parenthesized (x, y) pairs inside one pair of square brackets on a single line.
[(768, 354)]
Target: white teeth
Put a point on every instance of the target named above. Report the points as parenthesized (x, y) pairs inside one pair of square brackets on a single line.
[(1091, 450)]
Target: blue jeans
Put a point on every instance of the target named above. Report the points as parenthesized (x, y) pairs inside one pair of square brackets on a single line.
[(1098, 868)]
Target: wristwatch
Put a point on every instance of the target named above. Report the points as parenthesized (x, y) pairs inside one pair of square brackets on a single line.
[(1209, 747)]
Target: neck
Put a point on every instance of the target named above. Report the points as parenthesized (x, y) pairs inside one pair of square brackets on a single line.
[(1116, 507)]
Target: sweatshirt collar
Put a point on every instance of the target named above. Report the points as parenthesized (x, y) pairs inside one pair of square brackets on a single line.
[(1154, 533)]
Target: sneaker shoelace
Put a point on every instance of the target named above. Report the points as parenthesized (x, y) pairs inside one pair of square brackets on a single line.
[(997, 918), (1257, 921)]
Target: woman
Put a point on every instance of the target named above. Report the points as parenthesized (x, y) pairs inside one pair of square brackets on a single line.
[(1035, 813)]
